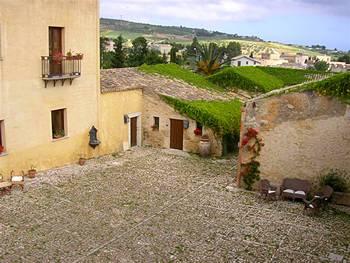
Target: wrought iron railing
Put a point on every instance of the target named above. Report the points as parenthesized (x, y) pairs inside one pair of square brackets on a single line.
[(60, 67)]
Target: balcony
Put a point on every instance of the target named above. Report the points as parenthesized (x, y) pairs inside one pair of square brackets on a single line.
[(60, 68)]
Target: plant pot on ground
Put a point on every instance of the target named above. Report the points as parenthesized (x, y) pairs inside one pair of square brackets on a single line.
[(32, 172), (81, 161)]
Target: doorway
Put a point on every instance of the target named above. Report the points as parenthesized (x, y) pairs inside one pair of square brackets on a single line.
[(176, 134), (55, 49)]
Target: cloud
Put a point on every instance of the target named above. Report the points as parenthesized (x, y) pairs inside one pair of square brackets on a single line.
[(219, 10)]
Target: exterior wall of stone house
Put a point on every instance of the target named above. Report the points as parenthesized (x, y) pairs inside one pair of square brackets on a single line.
[(25, 103), (155, 107), (305, 134), (114, 133), (244, 62)]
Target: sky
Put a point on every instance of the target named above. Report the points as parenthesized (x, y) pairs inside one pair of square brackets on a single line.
[(305, 22)]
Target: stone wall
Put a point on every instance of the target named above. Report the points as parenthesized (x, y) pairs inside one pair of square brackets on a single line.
[(155, 107), (304, 135)]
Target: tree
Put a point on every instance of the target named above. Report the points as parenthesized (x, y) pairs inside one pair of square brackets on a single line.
[(119, 55), (153, 57), (165, 58), (192, 51), (173, 52), (103, 52), (138, 52), (209, 59), (233, 49), (345, 58), (321, 66)]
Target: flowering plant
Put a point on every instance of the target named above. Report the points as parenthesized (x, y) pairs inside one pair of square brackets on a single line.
[(2, 149), (198, 131), (57, 57)]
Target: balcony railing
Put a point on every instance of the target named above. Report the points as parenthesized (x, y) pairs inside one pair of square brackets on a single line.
[(60, 68)]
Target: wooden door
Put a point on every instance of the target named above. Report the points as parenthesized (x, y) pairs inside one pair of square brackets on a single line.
[(176, 134), (55, 47), (133, 131)]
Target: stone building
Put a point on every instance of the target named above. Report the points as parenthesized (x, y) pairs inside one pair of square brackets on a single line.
[(50, 87), (161, 125), (303, 134)]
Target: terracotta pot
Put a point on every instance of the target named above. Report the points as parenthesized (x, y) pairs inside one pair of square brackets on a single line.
[(31, 173), (81, 161), (204, 147)]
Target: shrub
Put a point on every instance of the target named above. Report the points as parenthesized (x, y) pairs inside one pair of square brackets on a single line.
[(253, 175), (336, 179)]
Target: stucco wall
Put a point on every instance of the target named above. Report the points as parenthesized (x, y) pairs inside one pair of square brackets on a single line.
[(25, 104), (155, 107), (304, 135), (114, 133)]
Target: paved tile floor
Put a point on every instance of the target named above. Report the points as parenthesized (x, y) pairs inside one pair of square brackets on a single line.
[(150, 205)]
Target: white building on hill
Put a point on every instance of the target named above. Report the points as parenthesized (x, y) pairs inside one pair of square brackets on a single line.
[(244, 60)]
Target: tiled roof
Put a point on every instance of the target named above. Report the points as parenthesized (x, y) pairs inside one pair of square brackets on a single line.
[(121, 79)]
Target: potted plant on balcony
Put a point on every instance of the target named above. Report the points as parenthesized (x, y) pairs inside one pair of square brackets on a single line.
[(69, 55), (79, 56)]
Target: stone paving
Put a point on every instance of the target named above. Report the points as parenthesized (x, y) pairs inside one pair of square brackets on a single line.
[(149, 205)]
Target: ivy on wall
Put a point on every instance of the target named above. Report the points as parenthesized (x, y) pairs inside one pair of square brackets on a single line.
[(223, 117)]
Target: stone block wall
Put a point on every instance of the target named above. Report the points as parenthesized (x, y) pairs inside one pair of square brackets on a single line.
[(304, 135), (154, 106)]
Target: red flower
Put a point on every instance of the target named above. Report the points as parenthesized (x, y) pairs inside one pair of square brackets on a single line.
[(245, 140), (2, 149), (251, 133), (197, 131)]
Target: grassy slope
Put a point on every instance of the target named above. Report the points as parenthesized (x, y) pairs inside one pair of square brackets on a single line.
[(246, 78), (335, 86), (291, 76), (264, 78), (222, 116), (177, 72)]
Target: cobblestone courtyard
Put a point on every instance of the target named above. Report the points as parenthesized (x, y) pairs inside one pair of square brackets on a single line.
[(150, 205)]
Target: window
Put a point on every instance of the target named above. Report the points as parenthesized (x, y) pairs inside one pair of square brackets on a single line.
[(58, 119), (246, 62), (199, 129), (156, 123), (239, 63), (2, 137)]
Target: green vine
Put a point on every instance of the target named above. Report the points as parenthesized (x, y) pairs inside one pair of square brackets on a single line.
[(223, 117), (252, 175)]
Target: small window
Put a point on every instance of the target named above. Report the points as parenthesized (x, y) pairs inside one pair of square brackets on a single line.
[(246, 62), (2, 137), (156, 123), (58, 123), (199, 129)]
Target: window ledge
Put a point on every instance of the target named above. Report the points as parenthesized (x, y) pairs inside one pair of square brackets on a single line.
[(3, 154), (60, 139)]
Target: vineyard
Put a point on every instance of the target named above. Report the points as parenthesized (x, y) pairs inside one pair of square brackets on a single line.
[(262, 79)]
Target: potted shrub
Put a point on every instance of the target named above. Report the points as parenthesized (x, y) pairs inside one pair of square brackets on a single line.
[(69, 55), (32, 172), (79, 56), (335, 178)]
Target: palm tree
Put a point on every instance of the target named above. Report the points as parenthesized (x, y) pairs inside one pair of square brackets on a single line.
[(209, 61)]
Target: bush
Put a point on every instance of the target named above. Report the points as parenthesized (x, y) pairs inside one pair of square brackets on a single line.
[(336, 179)]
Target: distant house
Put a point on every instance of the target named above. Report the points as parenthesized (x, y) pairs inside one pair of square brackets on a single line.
[(244, 60), (336, 66)]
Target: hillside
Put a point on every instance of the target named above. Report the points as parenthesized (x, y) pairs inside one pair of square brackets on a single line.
[(261, 79), (113, 27)]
